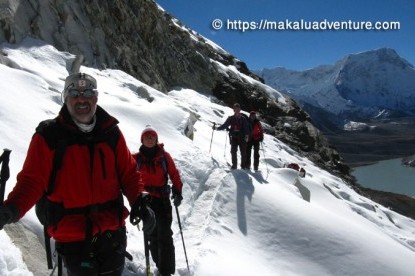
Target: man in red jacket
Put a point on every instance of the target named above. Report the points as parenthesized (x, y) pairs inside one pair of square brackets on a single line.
[(86, 213), (156, 165)]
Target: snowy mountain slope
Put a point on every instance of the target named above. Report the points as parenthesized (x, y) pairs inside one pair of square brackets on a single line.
[(234, 223), (360, 86)]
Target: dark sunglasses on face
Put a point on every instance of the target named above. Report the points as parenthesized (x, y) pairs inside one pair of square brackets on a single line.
[(88, 93)]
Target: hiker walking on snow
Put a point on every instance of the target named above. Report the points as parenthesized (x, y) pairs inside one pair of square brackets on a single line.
[(238, 128), (85, 210), (255, 138), (156, 166)]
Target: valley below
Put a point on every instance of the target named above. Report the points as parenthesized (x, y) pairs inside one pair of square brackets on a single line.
[(383, 140)]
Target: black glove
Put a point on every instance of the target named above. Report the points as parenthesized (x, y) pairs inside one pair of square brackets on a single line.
[(8, 214), (214, 127), (177, 197), (261, 139), (141, 211)]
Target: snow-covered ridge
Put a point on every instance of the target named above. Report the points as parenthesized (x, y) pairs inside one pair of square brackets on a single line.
[(234, 223)]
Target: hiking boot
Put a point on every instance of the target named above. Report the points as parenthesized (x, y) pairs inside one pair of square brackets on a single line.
[(233, 167), (157, 273)]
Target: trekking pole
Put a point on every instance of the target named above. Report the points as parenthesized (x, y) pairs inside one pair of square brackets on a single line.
[(263, 152), (211, 139), (4, 173), (226, 142), (181, 233), (147, 253)]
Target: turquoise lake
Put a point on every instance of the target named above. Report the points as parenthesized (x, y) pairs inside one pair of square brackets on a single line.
[(387, 175)]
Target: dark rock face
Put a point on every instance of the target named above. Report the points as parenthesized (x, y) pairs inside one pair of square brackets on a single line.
[(146, 42)]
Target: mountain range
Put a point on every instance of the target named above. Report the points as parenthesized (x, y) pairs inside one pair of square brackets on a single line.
[(376, 84), (364, 103)]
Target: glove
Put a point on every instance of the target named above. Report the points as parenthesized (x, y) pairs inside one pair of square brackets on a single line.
[(214, 127), (177, 197), (261, 139), (141, 211), (8, 214)]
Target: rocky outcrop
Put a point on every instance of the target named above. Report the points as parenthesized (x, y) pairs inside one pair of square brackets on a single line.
[(143, 40), (135, 36)]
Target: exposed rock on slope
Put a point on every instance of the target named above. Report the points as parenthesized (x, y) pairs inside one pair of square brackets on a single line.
[(143, 40)]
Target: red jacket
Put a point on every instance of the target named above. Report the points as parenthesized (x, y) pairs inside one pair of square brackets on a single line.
[(153, 173), (89, 174)]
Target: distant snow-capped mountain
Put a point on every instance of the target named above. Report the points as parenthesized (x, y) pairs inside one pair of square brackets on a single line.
[(361, 86)]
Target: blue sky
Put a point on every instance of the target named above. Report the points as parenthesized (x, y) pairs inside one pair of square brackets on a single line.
[(299, 50)]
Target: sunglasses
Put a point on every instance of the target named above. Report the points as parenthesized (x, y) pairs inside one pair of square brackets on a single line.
[(88, 93)]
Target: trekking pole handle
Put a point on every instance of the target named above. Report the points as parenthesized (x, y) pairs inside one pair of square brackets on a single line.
[(4, 173)]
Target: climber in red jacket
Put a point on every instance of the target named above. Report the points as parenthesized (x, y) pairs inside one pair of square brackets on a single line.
[(156, 166), (255, 138)]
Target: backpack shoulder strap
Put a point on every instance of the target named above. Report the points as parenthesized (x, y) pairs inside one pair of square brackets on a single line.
[(55, 141), (57, 163), (139, 161), (164, 165), (50, 133), (113, 138)]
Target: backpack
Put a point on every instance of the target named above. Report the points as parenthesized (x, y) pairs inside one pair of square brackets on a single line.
[(256, 130), (296, 167), (59, 140)]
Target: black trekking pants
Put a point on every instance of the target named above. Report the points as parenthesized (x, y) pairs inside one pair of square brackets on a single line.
[(238, 141), (106, 254), (255, 145), (161, 240)]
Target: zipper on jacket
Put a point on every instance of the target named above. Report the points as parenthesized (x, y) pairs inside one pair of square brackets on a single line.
[(102, 157)]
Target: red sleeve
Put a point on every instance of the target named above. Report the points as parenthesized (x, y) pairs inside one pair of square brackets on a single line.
[(131, 181), (32, 181), (173, 173)]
